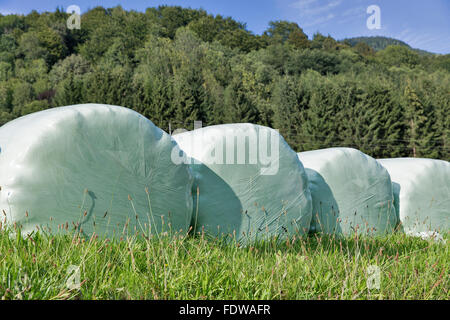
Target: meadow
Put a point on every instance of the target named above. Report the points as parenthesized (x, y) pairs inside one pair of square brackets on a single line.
[(71, 266)]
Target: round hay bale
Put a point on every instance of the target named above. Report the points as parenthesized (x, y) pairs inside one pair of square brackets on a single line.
[(251, 184), (92, 168), (351, 192), (422, 193)]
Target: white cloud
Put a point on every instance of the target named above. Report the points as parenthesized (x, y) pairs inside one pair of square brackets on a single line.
[(357, 11), (312, 7), (315, 12), (301, 4), (352, 14), (319, 20), (321, 9), (415, 39)]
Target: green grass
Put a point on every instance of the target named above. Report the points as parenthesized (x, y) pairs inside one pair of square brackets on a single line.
[(197, 268)]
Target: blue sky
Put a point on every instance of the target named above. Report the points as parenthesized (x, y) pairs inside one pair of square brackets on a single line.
[(422, 24)]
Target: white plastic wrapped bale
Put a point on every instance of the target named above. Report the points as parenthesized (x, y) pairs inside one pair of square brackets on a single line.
[(89, 168), (422, 193), (251, 184), (351, 192)]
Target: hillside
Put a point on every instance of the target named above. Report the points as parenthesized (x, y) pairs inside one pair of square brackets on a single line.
[(176, 65), (380, 43)]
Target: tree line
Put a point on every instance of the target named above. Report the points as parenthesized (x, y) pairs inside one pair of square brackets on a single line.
[(175, 65)]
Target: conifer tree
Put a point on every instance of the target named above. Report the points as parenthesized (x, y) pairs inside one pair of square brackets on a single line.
[(381, 119), (320, 121), (415, 119), (288, 102), (238, 107)]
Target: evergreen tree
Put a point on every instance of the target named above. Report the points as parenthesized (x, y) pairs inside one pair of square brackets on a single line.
[(288, 103), (238, 108), (379, 122), (69, 91), (188, 89), (321, 119), (415, 119)]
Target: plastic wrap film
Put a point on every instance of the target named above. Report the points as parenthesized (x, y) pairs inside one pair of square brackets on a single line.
[(422, 192), (351, 192), (251, 184), (92, 168)]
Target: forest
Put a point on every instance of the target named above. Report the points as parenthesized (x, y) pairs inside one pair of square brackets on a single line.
[(177, 65)]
